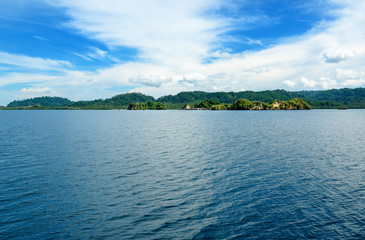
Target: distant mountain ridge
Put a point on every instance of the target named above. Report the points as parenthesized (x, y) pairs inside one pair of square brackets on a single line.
[(335, 98), (118, 101), (41, 101)]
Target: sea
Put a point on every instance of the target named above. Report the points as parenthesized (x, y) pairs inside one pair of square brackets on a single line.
[(174, 174)]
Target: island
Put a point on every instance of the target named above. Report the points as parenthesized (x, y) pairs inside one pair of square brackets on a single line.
[(244, 104), (199, 100)]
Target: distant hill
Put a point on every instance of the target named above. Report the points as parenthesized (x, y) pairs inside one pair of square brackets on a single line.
[(352, 98), (335, 98), (118, 101), (41, 101), (225, 97)]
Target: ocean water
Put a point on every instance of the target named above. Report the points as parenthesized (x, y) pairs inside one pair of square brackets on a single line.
[(182, 174)]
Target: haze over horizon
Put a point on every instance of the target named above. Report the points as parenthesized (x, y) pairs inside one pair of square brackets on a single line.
[(89, 49)]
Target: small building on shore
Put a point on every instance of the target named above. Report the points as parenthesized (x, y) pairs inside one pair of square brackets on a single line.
[(186, 107)]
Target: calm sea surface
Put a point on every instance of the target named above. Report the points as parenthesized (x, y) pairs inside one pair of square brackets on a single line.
[(182, 174)]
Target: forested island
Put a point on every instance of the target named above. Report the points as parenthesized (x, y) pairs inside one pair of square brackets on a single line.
[(244, 100)]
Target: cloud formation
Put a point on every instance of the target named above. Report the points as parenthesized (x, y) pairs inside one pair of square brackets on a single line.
[(38, 90), (94, 53), (337, 55), (174, 39), (32, 63)]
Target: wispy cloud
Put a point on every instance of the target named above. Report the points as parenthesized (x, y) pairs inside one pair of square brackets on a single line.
[(38, 90), (97, 53), (93, 54), (35, 63), (252, 41), (174, 38), (83, 56), (41, 38), (161, 30)]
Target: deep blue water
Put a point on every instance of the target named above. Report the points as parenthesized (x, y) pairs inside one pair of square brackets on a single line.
[(182, 174)]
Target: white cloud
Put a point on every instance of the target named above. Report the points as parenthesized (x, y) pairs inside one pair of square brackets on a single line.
[(327, 83), (194, 77), (83, 56), (12, 78), (150, 80), (41, 38), (220, 54), (337, 55), (324, 83), (161, 30), (308, 82), (290, 83), (174, 38), (345, 74), (95, 53), (255, 42), (353, 83), (35, 63), (38, 90)]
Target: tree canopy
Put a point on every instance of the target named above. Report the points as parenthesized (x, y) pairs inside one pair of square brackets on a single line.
[(335, 98), (41, 101)]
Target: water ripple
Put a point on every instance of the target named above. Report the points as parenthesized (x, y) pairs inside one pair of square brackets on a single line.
[(182, 175)]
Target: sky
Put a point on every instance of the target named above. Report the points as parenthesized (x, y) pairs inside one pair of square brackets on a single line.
[(92, 49)]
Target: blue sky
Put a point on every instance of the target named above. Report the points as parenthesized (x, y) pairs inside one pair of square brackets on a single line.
[(88, 49)]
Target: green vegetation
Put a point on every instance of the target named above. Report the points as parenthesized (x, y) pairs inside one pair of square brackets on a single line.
[(221, 106), (244, 104), (206, 104), (120, 101), (211, 105), (41, 101), (147, 106), (241, 104), (293, 104), (225, 97), (335, 98), (297, 104)]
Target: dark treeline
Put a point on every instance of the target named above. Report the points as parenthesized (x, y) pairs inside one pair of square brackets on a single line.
[(41, 102), (120, 101), (335, 98), (150, 105)]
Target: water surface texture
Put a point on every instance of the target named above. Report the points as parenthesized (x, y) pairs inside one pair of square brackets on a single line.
[(182, 174)]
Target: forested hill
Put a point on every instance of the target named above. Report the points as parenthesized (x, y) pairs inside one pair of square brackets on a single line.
[(352, 98), (118, 101), (225, 97), (335, 98), (41, 101)]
